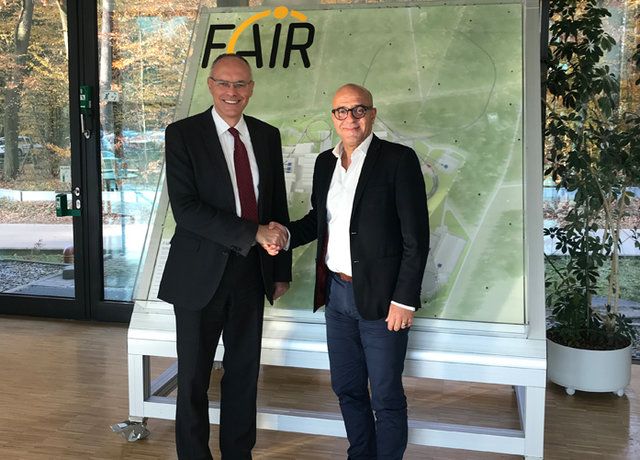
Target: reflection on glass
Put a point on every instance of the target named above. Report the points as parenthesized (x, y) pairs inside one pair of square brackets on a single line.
[(36, 247), (142, 51)]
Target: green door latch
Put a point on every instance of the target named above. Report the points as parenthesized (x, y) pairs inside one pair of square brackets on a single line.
[(61, 206)]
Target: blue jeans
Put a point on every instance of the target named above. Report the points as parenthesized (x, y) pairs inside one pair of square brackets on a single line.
[(363, 352)]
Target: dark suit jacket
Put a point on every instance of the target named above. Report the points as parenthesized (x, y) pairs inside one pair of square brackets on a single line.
[(389, 228), (203, 204)]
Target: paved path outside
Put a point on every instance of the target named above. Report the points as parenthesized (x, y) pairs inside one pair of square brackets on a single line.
[(627, 248), (28, 236), (59, 236)]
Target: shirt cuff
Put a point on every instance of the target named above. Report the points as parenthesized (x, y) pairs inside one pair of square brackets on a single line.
[(286, 248), (401, 305)]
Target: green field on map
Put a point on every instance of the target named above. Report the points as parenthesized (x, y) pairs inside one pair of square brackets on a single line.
[(447, 81)]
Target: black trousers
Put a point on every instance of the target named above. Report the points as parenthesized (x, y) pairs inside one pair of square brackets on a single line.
[(236, 311)]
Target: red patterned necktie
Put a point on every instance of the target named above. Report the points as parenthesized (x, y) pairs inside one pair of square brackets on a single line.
[(248, 206)]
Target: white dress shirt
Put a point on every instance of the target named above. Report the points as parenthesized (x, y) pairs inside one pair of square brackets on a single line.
[(227, 143), (340, 198), (342, 191)]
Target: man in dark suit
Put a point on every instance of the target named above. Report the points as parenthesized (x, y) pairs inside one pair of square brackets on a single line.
[(225, 177), (369, 215)]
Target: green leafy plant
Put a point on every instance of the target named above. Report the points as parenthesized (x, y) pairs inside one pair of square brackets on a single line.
[(592, 142)]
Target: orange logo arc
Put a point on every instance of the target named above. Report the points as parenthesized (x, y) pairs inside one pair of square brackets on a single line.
[(279, 13)]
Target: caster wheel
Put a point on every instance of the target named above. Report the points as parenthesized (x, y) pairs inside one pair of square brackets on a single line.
[(570, 391), (131, 431)]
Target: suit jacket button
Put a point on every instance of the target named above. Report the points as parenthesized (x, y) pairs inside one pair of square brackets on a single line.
[(356, 261)]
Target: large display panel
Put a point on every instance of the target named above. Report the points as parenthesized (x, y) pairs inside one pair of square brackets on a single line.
[(446, 80)]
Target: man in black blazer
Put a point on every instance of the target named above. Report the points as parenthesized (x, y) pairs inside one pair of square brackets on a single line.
[(226, 181), (369, 215)]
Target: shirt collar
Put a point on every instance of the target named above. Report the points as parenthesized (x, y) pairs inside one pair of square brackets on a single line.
[(338, 150), (222, 126)]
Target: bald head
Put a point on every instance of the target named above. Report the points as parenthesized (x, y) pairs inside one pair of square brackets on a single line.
[(225, 56), (352, 88)]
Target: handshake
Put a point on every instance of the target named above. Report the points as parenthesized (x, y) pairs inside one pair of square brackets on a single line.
[(272, 237)]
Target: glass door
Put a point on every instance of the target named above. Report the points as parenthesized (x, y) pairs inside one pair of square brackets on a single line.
[(87, 89), (38, 249), (142, 49)]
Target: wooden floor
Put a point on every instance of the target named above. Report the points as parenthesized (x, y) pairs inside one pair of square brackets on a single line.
[(63, 383)]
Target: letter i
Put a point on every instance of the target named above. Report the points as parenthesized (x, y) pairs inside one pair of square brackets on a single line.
[(274, 46)]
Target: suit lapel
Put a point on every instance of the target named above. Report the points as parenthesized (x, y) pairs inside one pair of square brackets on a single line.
[(212, 151), (367, 170), (325, 175)]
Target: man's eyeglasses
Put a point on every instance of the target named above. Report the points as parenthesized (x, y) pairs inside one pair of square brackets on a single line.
[(359, 111), (240, 84)]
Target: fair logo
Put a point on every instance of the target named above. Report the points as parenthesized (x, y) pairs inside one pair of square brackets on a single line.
[(299, 39)]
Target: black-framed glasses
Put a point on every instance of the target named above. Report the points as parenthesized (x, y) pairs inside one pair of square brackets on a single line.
[(240, 84), (359, 111)]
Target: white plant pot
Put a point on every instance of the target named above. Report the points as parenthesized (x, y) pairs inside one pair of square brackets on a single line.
[(589, 370)]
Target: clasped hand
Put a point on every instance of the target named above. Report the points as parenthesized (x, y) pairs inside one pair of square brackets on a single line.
[(272, 237)]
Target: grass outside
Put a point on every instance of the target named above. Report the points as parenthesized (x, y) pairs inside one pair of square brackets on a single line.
[(34, 254)]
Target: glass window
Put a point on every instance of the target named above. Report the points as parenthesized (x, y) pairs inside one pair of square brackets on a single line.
[(36, 247)]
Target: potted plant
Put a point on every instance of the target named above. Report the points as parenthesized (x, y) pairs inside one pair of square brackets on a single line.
[(592, 143)]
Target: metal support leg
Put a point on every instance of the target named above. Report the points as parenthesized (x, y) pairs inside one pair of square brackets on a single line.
[(531, 402), (136, 427)]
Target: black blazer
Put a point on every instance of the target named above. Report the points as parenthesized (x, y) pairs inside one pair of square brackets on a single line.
[(389, 228), (203, 205)]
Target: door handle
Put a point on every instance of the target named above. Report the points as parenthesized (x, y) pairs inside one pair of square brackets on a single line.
[(85, 110)]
